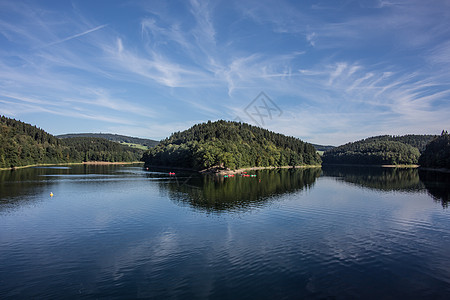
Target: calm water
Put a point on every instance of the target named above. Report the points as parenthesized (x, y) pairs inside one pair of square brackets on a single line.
[(123, 232)]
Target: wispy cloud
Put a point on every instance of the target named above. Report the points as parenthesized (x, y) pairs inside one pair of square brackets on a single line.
[(154, 66), (338, 72), (203, 31), (75, 36)]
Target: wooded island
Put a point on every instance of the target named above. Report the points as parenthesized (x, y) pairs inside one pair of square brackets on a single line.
[(230, 145)]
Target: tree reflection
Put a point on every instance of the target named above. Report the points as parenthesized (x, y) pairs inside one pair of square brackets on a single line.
[(18, 187), (377, 178), (216, 193), (437, 184)]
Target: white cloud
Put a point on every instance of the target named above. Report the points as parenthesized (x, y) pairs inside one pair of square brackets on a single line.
[(311, 38), (75, 36)]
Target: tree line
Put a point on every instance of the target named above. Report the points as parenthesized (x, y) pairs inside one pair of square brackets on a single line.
[(113, 137), (231, 145), (22, 144)]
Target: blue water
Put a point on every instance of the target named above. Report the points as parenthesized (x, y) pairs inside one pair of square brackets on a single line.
[(123, 232)]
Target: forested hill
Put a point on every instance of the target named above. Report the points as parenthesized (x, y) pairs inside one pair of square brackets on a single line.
[(123, 139), (380, 150), (22, 144), (437, 153), (232, 145), (415, 140)]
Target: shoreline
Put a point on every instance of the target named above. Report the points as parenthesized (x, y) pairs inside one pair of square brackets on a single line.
[(375, 166), (214, 171), (70, 164)]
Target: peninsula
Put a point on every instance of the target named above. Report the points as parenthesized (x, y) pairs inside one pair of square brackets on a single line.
[(223, 145)]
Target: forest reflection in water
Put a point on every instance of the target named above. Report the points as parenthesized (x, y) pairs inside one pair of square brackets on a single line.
[(377, 178), (436, 184), (216, 193), (24, 185)]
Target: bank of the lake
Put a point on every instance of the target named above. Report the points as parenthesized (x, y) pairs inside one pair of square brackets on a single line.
[(221, 171)]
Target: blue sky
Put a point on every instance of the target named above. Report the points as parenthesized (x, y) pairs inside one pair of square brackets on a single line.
[(328, 72)]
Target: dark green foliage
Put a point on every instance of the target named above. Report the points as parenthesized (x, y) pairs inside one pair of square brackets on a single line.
[(373, 152), (22, 144), (415, 140), (230, 145), (437, 153), (99, 149), (112, 137)]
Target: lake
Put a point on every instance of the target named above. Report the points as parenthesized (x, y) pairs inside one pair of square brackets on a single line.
[(125, 232)]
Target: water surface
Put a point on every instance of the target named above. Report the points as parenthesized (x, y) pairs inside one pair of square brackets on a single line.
[(124, 232)]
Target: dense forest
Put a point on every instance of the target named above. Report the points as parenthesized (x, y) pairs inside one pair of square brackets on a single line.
[(437, 153), (418, 141), (232, 145), (123, 139), (380, 150), (22, 144)]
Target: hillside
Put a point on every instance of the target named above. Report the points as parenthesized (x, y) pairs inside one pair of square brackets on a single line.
[(232, 145), (437, 153), (22, 144), (415, 140), (380, 150), (122, 139)]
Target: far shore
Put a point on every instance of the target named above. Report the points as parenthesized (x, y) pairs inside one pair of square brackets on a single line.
[(77, 163)]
